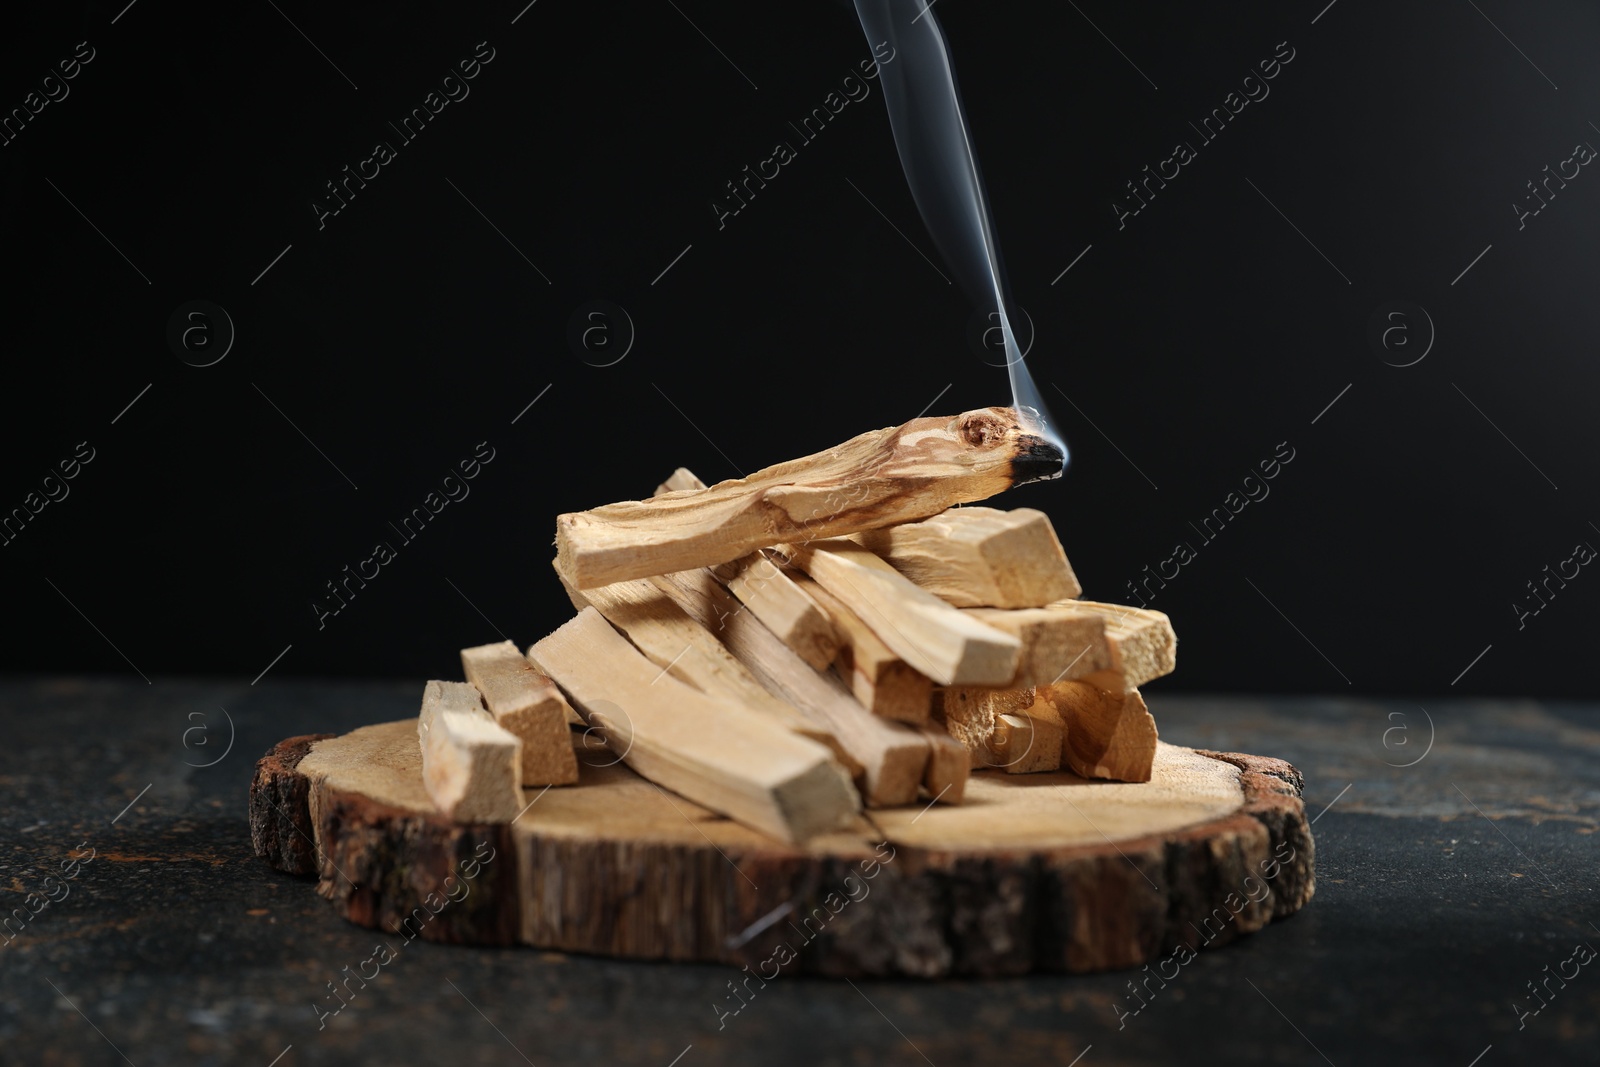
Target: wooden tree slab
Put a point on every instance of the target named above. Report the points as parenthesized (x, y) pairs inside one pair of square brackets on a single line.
[(1031, 872)]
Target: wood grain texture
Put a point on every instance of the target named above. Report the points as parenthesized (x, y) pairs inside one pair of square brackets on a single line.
[(1033, 872), (980, 557), (712, 751), (1109, 735), (1058, 642), (471, 764), (1143, 645), (770, 594), (783, 606), (884, 683), (526, 704), (877, 479), (1029, 741), (942, 642), (673, 641), (888, 758)]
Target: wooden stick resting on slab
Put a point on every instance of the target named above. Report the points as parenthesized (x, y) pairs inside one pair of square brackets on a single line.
[(980, 557), (714, 753), (885, 684), (891, 757), (529, 705), (471, 766), (878, 479), (689, 652), (942, 642)]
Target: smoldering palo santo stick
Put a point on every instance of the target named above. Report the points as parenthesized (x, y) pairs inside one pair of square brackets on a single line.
[(894, 475)]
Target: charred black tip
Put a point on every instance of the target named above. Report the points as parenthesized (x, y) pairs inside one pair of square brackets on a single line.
[(1037, 460)]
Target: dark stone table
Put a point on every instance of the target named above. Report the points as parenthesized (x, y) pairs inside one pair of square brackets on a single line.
[(1444, 889)]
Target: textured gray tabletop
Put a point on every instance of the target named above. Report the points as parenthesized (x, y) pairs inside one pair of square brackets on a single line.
[(1449, 893)]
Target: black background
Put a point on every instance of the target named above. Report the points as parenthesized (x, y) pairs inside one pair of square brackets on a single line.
[(1191, 342)]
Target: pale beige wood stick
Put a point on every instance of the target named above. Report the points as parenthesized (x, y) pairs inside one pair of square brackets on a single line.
[(771, 594), (877, 479), (949, 765), (1143, 646), (942, 642), (529, 705), (891, 756), (971, 714), (1059, 643), (980, 557), (885, 684), (673, 641), (1027, 744), (710, 750), (471, 766), (1110, 734), (784, 607), (680, 479)]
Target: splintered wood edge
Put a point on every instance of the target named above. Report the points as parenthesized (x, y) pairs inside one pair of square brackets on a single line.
[(919, 913)]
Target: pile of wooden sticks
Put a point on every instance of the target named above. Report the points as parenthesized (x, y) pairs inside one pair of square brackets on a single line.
[(828, 633)]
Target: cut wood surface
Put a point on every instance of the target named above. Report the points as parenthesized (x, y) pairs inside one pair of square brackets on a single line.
[(1143, 646), (884, 683), (707, 749), (471, 765), (949, 766), (877, 479), (1027, 744), (970, 715), (1032, 872), (527, 704), (941, 641), (670, 639), (980, 557), (889, 757), (1058, 642), (1110, 734)]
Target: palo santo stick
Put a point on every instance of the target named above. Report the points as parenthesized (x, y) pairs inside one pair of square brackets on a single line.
[(885, 684), (688, 651), (527, 704), (679, 480), (1026, 744), (980, 557), (888, 757), (942, 642), (970, 716), (770, 594), (878, 479), (1109, 734), (949, 765), (1059, 643), (784, 607), (748, 768), (471, 766), (1143, 646)]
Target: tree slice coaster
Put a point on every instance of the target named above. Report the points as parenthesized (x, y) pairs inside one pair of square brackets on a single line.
[(1032, 872)]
